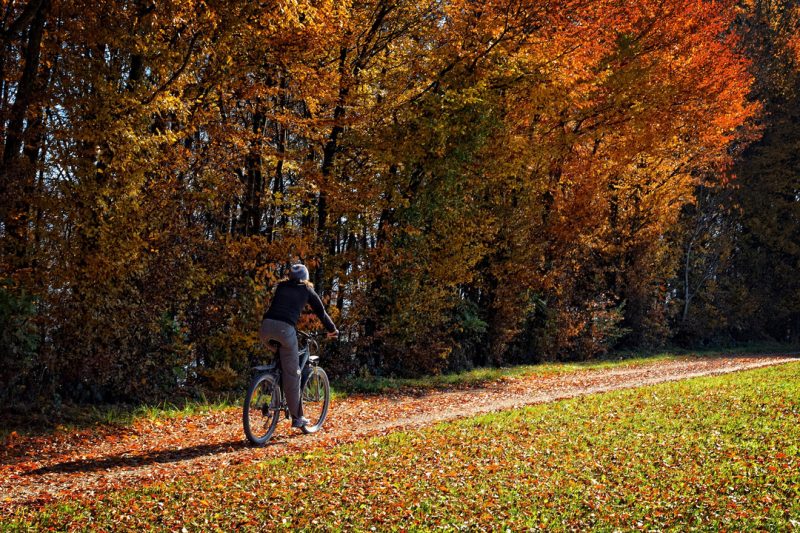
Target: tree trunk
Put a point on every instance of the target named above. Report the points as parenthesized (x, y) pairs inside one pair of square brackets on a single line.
[(328, 156), (17, 178)]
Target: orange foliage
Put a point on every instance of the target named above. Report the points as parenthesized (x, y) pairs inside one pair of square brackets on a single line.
[(462, 177)]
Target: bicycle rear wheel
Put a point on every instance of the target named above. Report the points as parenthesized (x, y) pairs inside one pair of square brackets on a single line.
[(316, 397), (261, 409)]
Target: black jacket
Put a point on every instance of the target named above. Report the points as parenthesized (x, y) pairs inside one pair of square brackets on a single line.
[(290, 299)]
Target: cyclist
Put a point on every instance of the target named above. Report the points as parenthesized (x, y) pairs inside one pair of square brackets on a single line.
[(279, 323)]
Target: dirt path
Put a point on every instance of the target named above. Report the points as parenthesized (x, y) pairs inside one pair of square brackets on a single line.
[(37, 470)]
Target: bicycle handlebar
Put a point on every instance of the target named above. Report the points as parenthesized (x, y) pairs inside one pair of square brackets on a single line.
[(308, 336)]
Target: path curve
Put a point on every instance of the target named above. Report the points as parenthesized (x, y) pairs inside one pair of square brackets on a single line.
[(79, 464)]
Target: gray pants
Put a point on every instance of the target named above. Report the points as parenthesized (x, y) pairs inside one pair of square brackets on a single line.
[(290, 360)]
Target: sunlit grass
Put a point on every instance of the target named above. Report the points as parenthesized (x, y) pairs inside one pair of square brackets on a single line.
[(708, 454), (477, 376)]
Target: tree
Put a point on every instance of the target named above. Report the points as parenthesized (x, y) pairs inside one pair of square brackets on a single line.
[(469, 181)]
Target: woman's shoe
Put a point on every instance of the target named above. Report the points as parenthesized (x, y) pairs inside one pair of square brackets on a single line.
[(300, 422)]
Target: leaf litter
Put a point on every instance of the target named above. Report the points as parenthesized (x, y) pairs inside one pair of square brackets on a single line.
[(78, 464)]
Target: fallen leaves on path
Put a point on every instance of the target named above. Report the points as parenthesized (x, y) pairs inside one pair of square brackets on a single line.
[(38, 470)]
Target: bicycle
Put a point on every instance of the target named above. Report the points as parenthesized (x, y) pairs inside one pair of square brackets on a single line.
[(265, 400)]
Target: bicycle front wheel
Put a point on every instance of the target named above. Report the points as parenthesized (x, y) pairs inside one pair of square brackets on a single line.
[(261, 409), (316, 397)]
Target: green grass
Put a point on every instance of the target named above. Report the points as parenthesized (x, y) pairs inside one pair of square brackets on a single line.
[(479, 376), (126, 414), (706, 454)]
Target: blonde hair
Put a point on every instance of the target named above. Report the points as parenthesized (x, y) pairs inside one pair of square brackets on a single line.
[(305, 282)]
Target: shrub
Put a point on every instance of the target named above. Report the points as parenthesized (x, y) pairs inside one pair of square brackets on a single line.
[(19, 340)]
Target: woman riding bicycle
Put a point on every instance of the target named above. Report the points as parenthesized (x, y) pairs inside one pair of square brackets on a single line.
[(279, 324)]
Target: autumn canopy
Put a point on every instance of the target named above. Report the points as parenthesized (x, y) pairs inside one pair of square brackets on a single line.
[(469, 182)]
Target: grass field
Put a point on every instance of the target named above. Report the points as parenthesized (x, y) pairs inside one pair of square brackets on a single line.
[(711, 454)]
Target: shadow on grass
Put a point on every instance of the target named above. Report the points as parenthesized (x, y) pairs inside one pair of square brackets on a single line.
[(141, 459)]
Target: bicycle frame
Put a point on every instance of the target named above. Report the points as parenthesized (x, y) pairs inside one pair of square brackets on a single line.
[(274, 368)]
